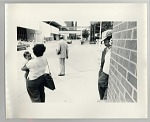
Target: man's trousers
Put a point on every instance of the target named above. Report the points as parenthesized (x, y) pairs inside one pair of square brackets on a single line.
[(102, 84), (62, 65)]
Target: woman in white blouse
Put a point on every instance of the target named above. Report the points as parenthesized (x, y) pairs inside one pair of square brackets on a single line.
[(35, 80)]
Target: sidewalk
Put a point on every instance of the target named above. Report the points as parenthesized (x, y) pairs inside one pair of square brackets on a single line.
[(80, 82)]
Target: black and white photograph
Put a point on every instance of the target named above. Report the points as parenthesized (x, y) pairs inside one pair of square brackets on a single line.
[(76, 60)]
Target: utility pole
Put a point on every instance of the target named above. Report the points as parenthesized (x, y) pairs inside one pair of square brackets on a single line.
[(100, 30)]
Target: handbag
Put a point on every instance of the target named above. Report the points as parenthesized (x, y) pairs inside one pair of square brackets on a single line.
[(48, 80)]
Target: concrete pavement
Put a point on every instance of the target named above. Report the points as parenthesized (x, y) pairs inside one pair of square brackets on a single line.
[(80, 82)]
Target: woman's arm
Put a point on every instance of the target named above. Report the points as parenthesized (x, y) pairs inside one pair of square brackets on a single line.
[(24, 68)]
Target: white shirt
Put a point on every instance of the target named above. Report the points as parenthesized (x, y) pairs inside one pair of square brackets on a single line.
[(37, 67), (101, 48), (107, 62)]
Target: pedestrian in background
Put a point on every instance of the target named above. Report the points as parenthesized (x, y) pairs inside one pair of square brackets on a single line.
[(104, 67), (36, 79), (62, 51)]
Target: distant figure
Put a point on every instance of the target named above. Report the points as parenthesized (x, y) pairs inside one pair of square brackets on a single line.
[(62, 51), (104, 66), (27, 56)]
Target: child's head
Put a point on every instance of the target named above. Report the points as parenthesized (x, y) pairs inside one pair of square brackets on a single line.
[(27, 55)]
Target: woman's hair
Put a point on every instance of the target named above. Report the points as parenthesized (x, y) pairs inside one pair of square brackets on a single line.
[(39, 49)]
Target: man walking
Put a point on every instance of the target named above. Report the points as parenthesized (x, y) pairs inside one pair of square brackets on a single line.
[(62, 51)]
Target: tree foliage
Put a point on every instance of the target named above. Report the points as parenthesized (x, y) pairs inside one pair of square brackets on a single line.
[(106, 25)]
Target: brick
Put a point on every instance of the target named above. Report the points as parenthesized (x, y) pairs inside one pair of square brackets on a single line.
[(122, 71), (113, 79), (121, 43), (125, 63), (132, 68), (112, 95), (116, 89), (110, 86), (131, 44), (121, 88), (110, 72), (132, 80), (116, 97), (115, 29), (114, 49), (123, 26), (132, 24), (134, 34), (135, 95), (123, 35), (128, 97), (113, 69), (125, 53), (129, 66), (118, 75), (114, 63), (136, 72), (129, 34), (118, 50), (117, 23), (122, 99), (127, 86), (113, 56), (108, 96), (114, 24), (119, 59), (133, 56), (116, 35), (113, 99), (115, 42)]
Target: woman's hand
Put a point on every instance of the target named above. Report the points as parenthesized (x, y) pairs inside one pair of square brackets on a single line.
[(24, 68)]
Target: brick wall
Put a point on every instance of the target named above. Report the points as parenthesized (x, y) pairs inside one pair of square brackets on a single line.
[(122, 85)]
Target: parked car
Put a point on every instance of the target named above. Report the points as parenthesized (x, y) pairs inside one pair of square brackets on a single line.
[(25, 43), (22, 46)]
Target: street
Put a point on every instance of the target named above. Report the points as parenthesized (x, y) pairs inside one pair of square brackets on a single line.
[(80, 84)]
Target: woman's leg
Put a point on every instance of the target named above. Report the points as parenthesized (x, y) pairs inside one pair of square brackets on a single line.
[(34, 93), (42, 93), (33, 89)]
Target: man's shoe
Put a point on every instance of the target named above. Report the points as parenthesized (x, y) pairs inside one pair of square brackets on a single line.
[(61, 74)]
